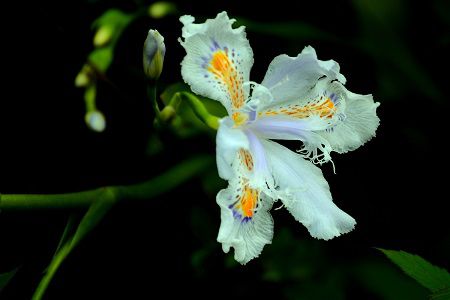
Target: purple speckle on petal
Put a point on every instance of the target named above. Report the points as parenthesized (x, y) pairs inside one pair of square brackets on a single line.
[(333, 97), (215, 45)]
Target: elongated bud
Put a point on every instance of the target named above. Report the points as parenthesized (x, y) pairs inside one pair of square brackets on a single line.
[(154, 51), (161, 9)]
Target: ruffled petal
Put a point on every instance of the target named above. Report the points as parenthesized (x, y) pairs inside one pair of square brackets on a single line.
[(306, 194), (218, 60), (291, 78), (246, 225), (357, 122), (333, 119)]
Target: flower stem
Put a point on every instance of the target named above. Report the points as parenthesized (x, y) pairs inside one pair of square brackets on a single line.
[(145, 190), (152, 91), (199, 109)]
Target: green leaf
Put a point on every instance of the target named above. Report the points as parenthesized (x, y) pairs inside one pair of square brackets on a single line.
[(101, 58), (6, 277), (68, 230), (433, 278), (441, 295), (387, 282), (93, 216)]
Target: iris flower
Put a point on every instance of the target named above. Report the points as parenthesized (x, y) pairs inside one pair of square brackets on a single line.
[(300, 98)]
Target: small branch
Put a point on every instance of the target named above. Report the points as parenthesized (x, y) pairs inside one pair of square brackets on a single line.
[(141, 191)]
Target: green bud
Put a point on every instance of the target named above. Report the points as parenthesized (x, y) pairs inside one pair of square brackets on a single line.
[(153, 56), (103, 36), (161, 9), (84, 78)]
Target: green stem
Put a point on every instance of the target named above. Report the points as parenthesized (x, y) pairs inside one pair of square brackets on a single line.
[(140, 191), (199, 109), (89, 97), (99, 201), (152, 92)]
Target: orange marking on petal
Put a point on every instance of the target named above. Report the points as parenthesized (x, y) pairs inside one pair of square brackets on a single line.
[(224, 70), (246, 158), (325, 109), (239, 118), (248, 201)]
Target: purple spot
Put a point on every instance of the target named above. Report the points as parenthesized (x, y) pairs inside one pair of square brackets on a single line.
[(333, 97), (246, 219), (237, 215), (205, 62), (215, 45)]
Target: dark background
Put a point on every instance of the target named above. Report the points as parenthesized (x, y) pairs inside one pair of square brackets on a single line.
[(396, 186)]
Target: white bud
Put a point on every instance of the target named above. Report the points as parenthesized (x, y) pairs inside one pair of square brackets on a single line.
[(153, 56), (95, 120)]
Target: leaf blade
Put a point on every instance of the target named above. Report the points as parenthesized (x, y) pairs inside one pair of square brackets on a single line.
[(6, 277), (432, 277)]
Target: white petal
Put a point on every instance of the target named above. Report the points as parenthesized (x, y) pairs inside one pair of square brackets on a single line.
[(218, 59), (315, 147), (358, 123), (287, 128), (228, 141), (247, 235), (290, 78), (306, 193), (260, 176), (334, 119)]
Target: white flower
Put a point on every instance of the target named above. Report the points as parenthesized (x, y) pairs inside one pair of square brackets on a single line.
[(301, 98)]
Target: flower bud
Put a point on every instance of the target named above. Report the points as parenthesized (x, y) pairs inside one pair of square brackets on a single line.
[(84, 77), (153, 56), (161, 9), (95, 120), (103, 36)]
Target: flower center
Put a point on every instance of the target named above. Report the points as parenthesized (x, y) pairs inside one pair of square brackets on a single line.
[(239, 118)]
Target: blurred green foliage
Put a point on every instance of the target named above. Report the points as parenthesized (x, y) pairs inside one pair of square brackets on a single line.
[(6, 277)]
